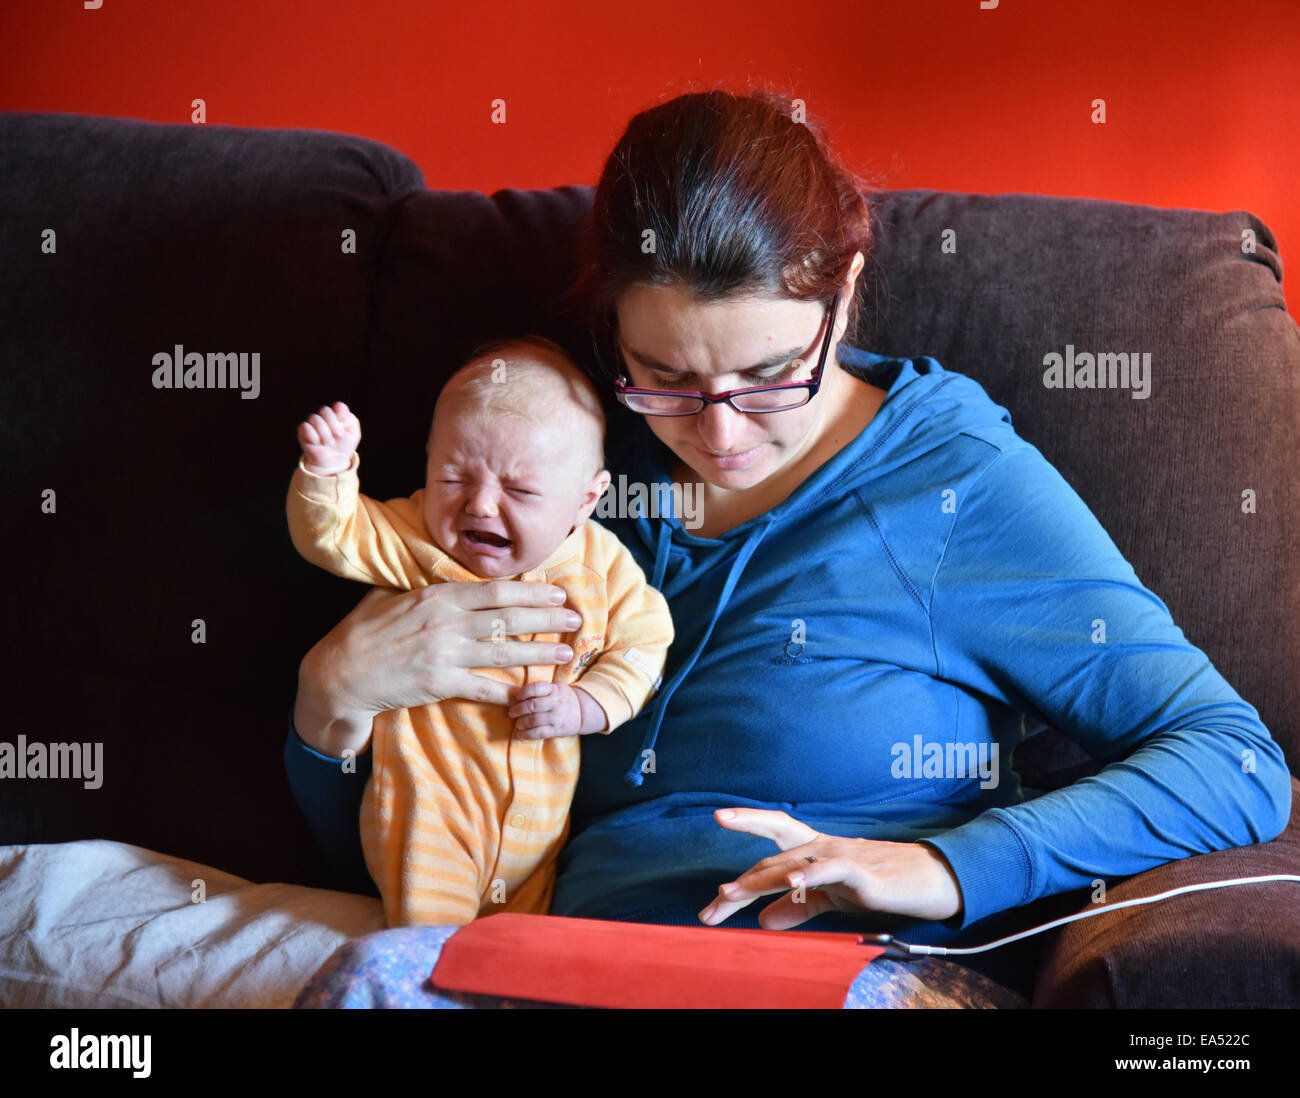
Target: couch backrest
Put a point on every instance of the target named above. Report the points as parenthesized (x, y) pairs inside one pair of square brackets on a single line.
[(169, 503)]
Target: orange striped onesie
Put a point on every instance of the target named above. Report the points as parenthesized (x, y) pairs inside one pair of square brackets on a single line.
[(459, 818)]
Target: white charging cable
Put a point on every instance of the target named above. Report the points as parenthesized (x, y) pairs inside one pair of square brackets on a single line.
[(904, 950)]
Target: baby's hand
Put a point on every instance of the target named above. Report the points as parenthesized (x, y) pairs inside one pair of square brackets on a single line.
[(546, 709), (329, 439)]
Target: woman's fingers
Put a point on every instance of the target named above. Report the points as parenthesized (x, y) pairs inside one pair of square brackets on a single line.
[(795, 908), (480, 689), (522, 620), (781, 828), (853, 874), (770, 875), (403, 648), (514, 654), (503, 594), (788, 872), (502, 608)]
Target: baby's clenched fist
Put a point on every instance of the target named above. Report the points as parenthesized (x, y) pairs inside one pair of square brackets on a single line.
[(329, 439), (544, 709)]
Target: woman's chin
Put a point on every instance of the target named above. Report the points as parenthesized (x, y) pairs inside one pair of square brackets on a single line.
[(734, 481)]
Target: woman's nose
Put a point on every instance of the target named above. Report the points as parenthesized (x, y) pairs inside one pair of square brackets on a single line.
[(719, 426)]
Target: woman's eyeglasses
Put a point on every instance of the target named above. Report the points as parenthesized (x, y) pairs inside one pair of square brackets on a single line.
[(755, 400)]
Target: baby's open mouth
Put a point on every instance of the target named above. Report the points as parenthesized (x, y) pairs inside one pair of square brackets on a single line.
[(482, 537)]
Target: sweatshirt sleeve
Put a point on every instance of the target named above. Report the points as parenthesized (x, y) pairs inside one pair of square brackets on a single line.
[(329, 795), (334, 526), (1034, 605), (637, 637)]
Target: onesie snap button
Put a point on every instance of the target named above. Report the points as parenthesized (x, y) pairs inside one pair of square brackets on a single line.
[(517, 820)]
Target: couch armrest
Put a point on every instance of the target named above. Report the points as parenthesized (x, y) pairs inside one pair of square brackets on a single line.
[(1224, 948)]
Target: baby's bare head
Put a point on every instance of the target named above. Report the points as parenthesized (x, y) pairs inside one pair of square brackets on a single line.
[(515, 460), (531, 379)]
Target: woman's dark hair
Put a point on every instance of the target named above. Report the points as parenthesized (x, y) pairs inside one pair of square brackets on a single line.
[(722, 194)]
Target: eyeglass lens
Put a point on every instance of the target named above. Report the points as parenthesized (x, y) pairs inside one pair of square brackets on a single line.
[(668, 404)]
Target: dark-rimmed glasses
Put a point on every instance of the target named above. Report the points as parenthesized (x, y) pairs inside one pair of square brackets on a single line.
[(758, 399)]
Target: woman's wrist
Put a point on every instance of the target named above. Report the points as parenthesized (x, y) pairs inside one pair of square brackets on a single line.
[(323, 720), (947, 879)]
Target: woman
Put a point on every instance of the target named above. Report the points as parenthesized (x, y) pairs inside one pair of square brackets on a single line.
[(885, 581)]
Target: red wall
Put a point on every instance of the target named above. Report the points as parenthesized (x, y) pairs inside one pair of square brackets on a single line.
[(1202, 96)]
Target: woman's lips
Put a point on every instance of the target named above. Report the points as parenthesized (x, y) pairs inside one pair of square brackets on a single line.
[(734, 460)]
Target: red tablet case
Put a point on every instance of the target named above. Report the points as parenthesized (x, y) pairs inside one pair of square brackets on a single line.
[(593, 962)]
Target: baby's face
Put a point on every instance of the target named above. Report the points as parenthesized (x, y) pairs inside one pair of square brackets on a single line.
[(501, 493)]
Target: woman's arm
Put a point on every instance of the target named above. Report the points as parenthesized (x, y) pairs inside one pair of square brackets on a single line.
[(329, 797), (1034, 605)]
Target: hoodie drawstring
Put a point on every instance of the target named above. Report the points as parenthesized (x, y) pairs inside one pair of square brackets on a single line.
[(661, 555), (633, 775)]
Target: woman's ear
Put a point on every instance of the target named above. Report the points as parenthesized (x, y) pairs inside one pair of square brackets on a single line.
[(846, 296), (591, 497)]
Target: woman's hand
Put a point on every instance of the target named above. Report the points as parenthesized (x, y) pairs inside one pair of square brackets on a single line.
[(398, 649), (851, 875)]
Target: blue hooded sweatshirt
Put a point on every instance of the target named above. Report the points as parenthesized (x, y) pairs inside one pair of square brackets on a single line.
[(864, 656)]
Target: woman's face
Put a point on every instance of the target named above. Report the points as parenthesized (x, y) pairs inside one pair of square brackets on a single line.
[(669, 339)]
